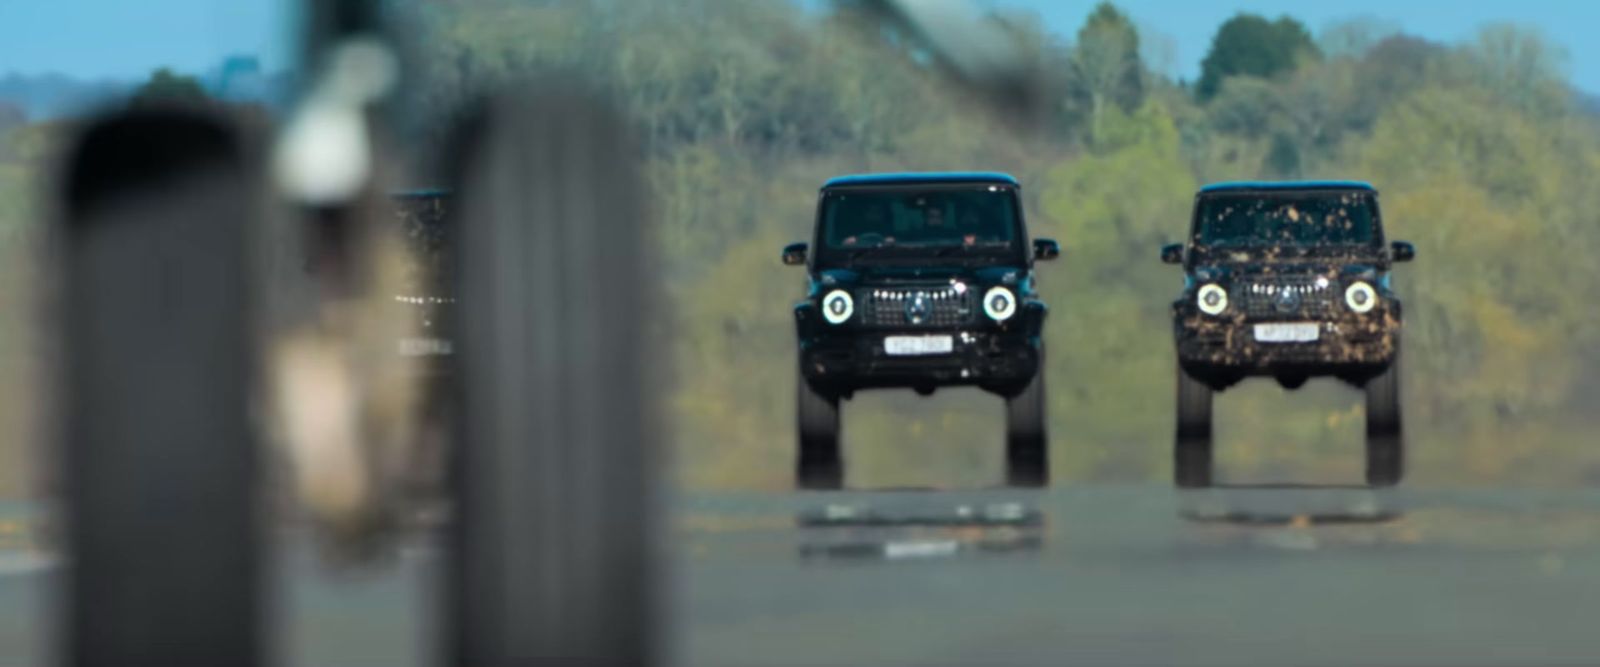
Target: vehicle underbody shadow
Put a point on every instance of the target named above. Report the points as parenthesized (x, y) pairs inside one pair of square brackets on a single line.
[(1289, 505), (905, 527)]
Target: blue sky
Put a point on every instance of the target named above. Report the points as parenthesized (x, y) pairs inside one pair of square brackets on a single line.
[(127, 38)]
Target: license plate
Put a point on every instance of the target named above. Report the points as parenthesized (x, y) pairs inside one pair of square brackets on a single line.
[(915, 345), (425, 347), (1299, 332)]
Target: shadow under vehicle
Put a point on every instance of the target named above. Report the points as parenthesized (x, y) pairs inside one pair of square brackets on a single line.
[(920, 281), (1270, 505), (1287, 280)]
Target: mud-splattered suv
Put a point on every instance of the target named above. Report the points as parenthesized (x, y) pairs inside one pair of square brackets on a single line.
[(920, 281), (1289, 281)]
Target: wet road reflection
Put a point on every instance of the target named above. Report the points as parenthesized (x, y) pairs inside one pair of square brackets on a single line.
[(925, 529)]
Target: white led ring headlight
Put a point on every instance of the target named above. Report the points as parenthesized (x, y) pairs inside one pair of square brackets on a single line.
[(999, 304), (1360, 297), (837, 306), (1212, 299)]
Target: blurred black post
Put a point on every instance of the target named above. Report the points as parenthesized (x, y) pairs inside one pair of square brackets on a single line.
[(552, 555), (328, 22), (976, 51), (159, 461)]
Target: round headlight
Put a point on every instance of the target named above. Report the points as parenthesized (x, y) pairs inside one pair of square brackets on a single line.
[(1212, 299), (837, 306), (999, 304), (1360, 297)]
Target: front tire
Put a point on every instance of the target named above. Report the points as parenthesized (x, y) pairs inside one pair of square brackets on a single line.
[(818, 465), (1027, 435), (1191, 448), (1385, 438)]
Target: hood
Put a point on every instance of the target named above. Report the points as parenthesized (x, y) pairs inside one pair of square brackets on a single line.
[(1264, 262), (907, 275), (1290, 255)]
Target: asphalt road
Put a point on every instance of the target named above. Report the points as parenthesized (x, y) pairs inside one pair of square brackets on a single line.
[(1081, 575)]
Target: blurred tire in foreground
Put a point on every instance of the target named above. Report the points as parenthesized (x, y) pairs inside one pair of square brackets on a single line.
[(553, 556), (159, 461)]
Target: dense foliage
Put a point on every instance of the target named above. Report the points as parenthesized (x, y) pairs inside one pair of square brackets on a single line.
[(20, 158), (1250, 45), (167, 86), (1482, 153)]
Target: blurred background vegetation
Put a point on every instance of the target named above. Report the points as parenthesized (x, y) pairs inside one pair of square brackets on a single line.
[(1484, 155)]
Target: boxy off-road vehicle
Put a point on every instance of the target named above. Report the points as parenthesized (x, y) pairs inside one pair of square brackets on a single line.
[(920, 281), (1289, 281)]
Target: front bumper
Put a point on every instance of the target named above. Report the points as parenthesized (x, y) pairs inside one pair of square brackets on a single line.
[(425, 357), (1228, 341), (426, 345), (1001, 358)]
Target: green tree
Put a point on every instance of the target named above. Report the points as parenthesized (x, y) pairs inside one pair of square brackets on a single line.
[(1112, 210), (1297, 123), (1353, 38), (166, 85), (1519, 65), (20, 252), (1250, 45), (1106, 69), (11, 116), (1387, 74)]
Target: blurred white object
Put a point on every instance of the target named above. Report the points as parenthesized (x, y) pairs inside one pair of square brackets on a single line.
[(324, 156)]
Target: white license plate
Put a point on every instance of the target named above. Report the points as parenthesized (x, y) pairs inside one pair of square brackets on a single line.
[(915, 345), (425, 347), (1298, 332)]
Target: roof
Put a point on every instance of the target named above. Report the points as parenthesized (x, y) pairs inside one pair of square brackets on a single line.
[(914, 178), (1239, 186)]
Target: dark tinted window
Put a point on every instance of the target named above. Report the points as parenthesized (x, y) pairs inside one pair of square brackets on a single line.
[(981, 216), (1295, 217)]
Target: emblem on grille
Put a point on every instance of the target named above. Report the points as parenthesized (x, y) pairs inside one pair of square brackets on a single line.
[(1287, 300), (918, 308)]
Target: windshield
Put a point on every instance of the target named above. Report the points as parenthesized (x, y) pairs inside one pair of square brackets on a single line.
[(976, 217), (1287, 218), (425, 230)]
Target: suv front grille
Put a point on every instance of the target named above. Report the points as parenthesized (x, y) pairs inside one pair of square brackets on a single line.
[(915, 307), (1289, 296)]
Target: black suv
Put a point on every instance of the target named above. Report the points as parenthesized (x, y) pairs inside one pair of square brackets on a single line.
[(920, 281), (1291, 281)]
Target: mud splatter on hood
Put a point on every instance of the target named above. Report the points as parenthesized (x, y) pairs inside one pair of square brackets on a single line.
[(1336, 264)]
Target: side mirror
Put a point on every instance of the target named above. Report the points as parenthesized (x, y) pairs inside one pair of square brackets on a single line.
[(794, 254), (1172, 253), (1403, 251), (1046, 249)]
